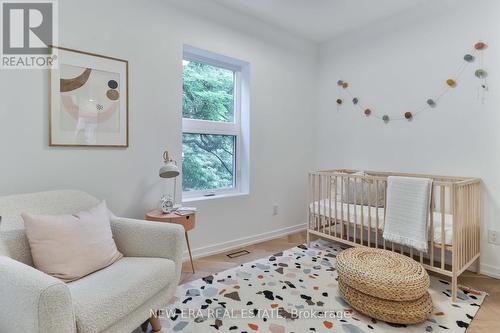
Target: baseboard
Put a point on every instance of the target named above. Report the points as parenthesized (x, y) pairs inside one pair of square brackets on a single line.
[(244, 241), (491, 271)]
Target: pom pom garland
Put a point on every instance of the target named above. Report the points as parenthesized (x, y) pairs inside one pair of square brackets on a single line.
[(469, 57), (480, 46), (430, 102), (481, 73)]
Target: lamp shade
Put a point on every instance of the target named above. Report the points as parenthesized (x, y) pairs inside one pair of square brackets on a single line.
[(170, 169)]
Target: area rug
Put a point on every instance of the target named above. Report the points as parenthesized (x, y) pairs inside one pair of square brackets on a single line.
[(295, 291)]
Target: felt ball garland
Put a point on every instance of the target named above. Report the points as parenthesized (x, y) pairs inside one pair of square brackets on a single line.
[(450, 83)]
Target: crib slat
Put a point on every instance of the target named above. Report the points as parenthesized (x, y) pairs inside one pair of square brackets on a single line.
[(362, 225), (336, 216), (329, 194), (342, 207), (355, 207), (324, 195), (310, 201), (463, 230), (466, 231), (376, 214), (318, 189), (454, 199), (478, 218), (324, 189), (460, 220), (315, 203), (443, 242), (473, 216), (431, 217), (348, 184), (465, 226), (369, 213), (469, 218), (385, 209)]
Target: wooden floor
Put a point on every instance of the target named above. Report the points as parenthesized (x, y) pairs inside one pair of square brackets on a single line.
[(487, 319)]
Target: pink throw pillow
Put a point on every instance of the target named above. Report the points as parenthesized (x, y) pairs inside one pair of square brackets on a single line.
[(70, 247)]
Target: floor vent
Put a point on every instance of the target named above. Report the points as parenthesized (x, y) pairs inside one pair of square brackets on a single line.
[(238, 254)]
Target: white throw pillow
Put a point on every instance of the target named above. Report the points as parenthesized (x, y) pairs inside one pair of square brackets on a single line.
[(70, 247), (362, 188)]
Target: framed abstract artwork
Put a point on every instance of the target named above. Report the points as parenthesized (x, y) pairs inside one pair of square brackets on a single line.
[(88, 102)]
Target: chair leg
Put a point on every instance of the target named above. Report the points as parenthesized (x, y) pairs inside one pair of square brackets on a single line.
[(189, 250), (155, 323)]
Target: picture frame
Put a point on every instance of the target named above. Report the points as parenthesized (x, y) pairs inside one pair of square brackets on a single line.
[(88, 100)]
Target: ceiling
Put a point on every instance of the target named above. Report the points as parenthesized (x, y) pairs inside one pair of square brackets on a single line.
[(321, 20)]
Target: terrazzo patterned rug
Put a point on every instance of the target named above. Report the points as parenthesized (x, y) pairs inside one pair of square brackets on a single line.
[(296, 291)]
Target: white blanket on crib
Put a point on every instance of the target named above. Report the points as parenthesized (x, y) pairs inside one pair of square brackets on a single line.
[(407, 209)]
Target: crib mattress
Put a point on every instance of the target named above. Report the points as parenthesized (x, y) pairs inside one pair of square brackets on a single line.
[(360, 215)]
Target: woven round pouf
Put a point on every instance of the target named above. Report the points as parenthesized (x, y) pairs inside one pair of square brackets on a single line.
[(383, 274), (406, 312)]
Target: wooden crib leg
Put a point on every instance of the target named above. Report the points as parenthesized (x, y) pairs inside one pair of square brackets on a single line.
[(478, 266), (308, 238), (454, 288)]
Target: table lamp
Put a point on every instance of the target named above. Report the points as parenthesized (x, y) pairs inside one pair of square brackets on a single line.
[(169, 170)]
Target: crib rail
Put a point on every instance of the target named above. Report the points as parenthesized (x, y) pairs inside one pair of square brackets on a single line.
[(350, 208)]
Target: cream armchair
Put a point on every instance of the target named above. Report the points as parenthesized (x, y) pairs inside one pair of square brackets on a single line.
[(118, 298)]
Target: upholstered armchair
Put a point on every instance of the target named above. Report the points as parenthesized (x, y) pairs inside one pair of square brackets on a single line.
[(118, 298)]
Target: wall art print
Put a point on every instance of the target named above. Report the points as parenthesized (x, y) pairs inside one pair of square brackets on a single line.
[(88, 100)]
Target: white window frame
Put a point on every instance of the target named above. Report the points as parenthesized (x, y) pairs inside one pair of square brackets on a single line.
[(238, 128)]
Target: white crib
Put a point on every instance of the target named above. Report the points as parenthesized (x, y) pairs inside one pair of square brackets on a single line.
[(337, 212)]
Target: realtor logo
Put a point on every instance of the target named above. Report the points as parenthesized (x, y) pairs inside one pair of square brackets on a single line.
[(29, 29)]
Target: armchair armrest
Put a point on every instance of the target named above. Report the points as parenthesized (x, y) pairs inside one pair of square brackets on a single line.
[(138, 238), (32, 301)]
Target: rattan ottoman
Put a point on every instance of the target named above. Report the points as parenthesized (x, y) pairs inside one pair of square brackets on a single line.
[(384, 285)]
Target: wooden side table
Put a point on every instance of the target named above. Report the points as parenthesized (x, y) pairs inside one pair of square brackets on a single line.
[(187, 221)]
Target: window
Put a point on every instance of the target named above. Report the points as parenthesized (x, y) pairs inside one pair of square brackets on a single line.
[(213, 140)]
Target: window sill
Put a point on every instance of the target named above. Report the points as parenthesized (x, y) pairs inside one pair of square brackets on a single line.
[(213, 197)]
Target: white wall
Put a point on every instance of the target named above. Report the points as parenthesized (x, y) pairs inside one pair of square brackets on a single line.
[(150, 35), (399, 63)]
